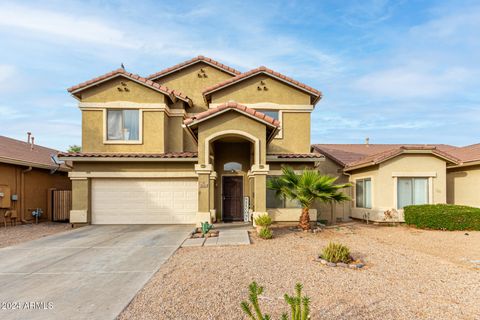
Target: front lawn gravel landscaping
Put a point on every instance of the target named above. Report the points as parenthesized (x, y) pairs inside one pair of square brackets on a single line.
[(409, 274)]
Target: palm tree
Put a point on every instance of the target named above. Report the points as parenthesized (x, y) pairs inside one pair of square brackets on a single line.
[(306, 188)]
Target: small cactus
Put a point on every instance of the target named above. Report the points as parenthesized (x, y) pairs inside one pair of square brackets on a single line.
[(299, 305), (206, 227)]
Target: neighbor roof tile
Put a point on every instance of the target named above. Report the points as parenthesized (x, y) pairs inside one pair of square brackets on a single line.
[(36, 156)]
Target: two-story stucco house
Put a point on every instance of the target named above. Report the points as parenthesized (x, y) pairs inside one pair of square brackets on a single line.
[(195, 142)]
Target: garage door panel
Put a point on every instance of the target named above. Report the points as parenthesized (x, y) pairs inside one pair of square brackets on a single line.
[(144, 201)]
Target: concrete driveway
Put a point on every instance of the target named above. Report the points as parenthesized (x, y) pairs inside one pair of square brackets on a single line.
[(88, 273)]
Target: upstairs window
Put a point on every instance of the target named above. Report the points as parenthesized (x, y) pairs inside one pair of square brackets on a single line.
[(363, 193), (271, 113), (123, 125), (412, 191)]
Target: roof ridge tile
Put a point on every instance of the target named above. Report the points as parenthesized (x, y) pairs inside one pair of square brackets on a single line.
[(196, 59)]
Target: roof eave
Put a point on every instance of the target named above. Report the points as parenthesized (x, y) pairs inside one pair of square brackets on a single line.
[(277, 159), (126, 159), (32, 164), (196, 122)]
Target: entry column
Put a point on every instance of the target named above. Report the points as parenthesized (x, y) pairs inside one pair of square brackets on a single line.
[(259, 173), (203, 212)]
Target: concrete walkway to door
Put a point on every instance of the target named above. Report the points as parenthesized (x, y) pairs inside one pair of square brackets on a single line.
[(89, 273), (231, 234)]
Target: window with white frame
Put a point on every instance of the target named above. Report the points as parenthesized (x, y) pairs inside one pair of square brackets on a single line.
[(363, 193), (274, 201), (123, 125), (412, 191)]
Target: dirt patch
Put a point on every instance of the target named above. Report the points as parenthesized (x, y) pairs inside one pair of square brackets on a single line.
[(408, 276), (26, 232)]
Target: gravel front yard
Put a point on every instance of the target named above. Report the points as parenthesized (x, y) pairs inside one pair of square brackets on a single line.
[(26, 232), (410, 274)]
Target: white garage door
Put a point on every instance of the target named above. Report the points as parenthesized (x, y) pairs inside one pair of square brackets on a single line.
[(144, 201)]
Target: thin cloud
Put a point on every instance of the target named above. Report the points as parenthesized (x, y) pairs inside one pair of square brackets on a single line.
[(57, 24)]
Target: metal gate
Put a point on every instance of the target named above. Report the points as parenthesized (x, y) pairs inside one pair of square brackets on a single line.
[(61, 205)]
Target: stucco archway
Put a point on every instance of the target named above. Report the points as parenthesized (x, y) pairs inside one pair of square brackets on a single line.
[(238, 133)]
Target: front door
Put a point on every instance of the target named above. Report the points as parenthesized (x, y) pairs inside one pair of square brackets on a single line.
[(232, 188)]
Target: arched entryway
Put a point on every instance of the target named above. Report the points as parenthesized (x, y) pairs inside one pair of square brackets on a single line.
[(232, 157)]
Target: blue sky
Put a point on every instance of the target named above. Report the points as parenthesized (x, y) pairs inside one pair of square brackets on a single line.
[(394, 71)]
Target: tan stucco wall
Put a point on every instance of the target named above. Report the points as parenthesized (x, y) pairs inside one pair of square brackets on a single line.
[(383, 184), (228, 121), (247, 91), (134, 166), (463, 185), (153, 133), (337, 211), (174, 134), (295, 134), (33, 193), (108, 91), (190, 84)]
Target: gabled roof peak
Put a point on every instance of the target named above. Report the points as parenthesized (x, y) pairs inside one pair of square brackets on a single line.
[(234, 106), (134, 77), (262, 69), (192, 61)]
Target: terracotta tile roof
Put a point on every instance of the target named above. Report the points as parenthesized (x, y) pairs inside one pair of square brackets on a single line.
[(168, 155), (468, 153), (268, 71), (131, 76), (296, 155), (388, 154), (358, 155), (234, 106), (187, 63), (16, 151), (345, 154)]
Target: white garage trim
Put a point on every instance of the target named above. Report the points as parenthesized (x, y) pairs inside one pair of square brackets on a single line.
[(144, 201), (131, 174)]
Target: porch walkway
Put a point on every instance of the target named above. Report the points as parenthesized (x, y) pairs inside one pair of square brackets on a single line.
[(231, 234)]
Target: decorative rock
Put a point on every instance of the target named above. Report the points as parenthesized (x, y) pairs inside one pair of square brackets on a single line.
[(323, 261), (360, 265), (352, 266), (343, 265), (331, 264)]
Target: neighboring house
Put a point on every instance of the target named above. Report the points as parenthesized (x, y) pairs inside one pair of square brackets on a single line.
[(387, 177), (28, 174), (195, 142)]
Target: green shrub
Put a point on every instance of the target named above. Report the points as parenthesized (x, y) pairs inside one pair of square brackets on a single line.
[(265, 233), (443, 216), (336, 252), (263, 220)]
